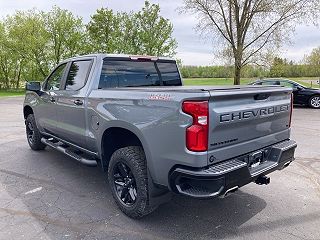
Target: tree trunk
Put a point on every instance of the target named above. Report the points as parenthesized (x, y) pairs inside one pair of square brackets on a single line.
[(18, 79), (237, 74), (237, 65)]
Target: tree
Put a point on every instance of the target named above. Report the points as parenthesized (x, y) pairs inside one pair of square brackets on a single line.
[(144, 32), (32, 42), (5, 60), (104, 31), (154, 32), (129, 41), (278, 68), (314, 60), (28, 38), (251, 27), (66, 34)]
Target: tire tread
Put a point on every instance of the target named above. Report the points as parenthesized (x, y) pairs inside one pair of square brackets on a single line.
[(37, 145), (136, 157)]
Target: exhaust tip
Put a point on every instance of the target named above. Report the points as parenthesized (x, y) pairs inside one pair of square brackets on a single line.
[(229, 191)]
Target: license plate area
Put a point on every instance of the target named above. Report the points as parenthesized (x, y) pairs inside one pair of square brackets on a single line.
[(257, 158)]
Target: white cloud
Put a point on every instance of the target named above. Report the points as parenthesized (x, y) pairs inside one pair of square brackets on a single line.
[(195, 58)]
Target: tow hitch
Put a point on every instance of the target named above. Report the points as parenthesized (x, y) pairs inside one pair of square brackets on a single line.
[(262, 180)]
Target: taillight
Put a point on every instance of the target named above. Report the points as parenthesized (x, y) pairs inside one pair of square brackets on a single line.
[(291, 110), (197, 133)]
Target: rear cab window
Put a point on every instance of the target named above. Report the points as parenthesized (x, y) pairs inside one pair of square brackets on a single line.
[(138, 73)]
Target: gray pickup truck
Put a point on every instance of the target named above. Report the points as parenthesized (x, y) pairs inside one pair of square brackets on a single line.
[(131, 116)]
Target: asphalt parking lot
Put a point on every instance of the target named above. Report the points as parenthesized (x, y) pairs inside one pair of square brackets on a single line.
[(46, 195)]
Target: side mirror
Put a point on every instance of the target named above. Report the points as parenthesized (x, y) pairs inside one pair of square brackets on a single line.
[(299, 88), (33, 86)]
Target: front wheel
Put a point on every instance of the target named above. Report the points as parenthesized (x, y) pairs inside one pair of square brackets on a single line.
[(33, 134), (128, 180), (314, 101)]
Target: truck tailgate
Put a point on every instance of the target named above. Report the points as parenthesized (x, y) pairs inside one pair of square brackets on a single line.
[(246, 119)]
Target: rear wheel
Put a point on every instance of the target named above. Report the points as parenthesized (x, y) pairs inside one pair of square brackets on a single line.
[(314, 101), (33, 134), (128, 180)]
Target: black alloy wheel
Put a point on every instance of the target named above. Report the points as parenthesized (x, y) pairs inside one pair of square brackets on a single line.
[(33, 134), (128, 181), (125, 184), (30, 132)]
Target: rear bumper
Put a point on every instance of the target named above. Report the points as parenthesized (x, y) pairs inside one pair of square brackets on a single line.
[(221, 178)]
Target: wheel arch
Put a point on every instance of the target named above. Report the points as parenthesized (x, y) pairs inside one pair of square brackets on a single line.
[(314, 94), (114, 138), (27, 110)]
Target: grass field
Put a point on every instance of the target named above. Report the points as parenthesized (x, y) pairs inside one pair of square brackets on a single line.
[(10, 93), (213, 81), (306, 81)]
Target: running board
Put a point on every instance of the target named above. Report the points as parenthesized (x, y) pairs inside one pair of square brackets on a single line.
[(62, 148)]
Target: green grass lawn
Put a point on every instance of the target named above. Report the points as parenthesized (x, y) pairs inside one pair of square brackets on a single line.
[(10, 93), (214, 81), (306, 81)]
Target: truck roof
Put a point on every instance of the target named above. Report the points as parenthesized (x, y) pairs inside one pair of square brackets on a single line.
[(104, 55)]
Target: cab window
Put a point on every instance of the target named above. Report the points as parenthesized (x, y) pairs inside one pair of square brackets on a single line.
[(54, 81), (131, 73)]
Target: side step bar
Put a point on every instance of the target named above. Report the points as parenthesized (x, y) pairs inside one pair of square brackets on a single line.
[(63, 149)]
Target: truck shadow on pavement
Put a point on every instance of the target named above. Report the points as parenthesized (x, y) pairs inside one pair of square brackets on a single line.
[(74, 202)]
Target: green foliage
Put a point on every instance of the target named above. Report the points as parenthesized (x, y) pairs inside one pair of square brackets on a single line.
[(144, 32), (35, 42), (21, 40), (154, 32), (32, 42), (314, 60), (280, 68), (221, 72), (66, 34), (104, 31)]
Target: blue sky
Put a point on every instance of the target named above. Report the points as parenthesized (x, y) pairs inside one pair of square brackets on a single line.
[(192, 49)]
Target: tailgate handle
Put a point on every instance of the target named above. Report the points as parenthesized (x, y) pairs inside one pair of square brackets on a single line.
[(261, 96)]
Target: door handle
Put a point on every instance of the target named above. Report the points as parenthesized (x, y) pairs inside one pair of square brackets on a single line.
[(78, 102), (52, 99)]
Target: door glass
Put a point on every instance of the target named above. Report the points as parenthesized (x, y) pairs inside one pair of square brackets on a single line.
[(54, 81), (287, 84), (77, 75), (271, 83)]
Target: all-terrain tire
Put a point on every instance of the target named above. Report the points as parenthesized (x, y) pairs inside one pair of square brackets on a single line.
[(134, 161), (33, 134)]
